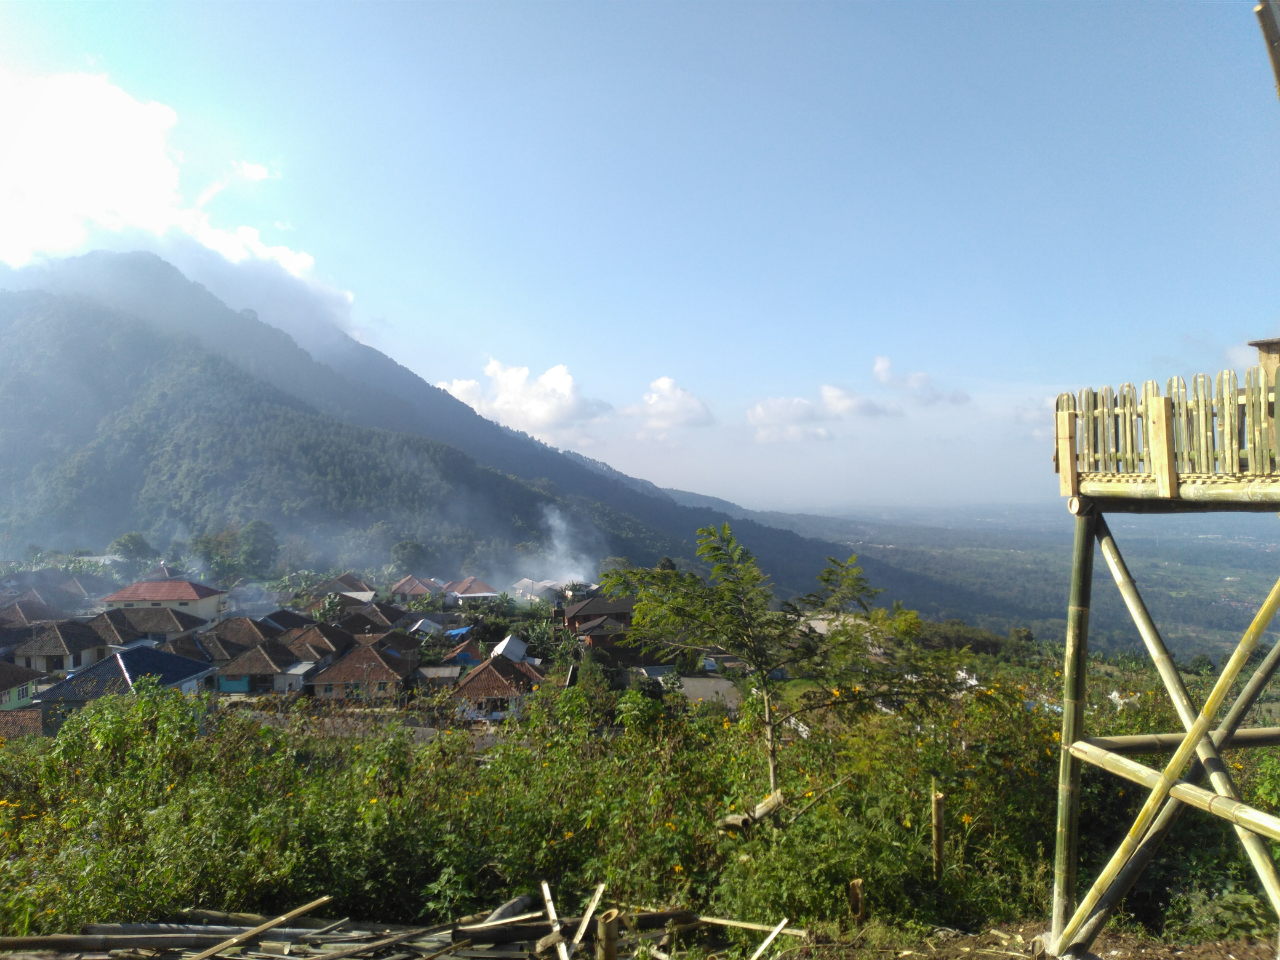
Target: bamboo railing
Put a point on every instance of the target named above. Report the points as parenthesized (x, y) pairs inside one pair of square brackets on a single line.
[(1214, 441)]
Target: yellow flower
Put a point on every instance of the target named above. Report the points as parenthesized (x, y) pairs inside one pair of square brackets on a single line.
[(374, 800), (679, 869), (568, 834), (967, 819)]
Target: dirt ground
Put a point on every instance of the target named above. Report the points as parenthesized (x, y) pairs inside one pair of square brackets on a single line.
[(1015, 941)]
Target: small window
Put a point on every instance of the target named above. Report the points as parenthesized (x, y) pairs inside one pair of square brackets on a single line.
[(24, 691), (382, 686), (181, 603), (128, 604), (328, 688), (4, 697), (155, 604), (75, 660), (53, 663), (28, 659)]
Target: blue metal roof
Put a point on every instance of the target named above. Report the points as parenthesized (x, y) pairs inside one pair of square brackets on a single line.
[(118, 673)]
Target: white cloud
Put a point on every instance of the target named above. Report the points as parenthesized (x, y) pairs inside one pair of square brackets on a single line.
[(667, 406), (550, 407), (795, 418), (80, 157), (918, 387)]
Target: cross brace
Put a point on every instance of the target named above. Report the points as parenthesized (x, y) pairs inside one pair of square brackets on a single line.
[(1074, 927)]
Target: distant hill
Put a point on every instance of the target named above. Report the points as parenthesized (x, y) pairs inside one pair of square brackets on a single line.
[(137, 399)]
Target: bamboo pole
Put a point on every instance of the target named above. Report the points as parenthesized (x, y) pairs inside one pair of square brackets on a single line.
[(1172, 809), (773, 935), (586, 919), (1073, 694), (938, 830), (1258, 851), (280, 921), (1180, 757), (1166, 742), (744, 925), (555, 921), (607, 935), (1233, 811), (1267, 19)]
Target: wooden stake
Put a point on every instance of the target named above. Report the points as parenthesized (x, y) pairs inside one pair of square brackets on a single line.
[(857, 908), (555, 921), (1164, 466), (938, 830), (586, 919), (607, 935), (1073, 692), (1068, 470), (280, 921)]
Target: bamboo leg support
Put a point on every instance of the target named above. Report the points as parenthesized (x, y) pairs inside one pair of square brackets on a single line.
[(1194, 735), (1255, 846), (1169, 814), (1073, 694)]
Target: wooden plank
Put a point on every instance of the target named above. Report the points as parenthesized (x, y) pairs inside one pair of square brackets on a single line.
[(1227, 403), (743, 925), (1160, 446), (1176, 389), (1087, 431), (1068, 473), (262, 928), (773, 935), (1128, 431)]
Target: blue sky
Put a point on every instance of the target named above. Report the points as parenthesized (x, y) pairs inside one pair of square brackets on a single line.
[(804, 256)]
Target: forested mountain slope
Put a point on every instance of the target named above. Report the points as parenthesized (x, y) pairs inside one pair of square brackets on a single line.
[(632, 518)]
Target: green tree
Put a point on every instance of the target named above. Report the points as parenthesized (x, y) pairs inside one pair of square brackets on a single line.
[(132, 546), (258, 548), (859, 659), (220, 553), (408, 556)]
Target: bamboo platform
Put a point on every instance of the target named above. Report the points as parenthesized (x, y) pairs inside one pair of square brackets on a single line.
[(1208, 446)]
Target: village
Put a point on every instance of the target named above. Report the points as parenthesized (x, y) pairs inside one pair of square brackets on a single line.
[(342, 643)]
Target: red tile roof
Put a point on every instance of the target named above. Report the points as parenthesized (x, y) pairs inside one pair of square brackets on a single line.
[(498, 678), (147, 590), (470, 587), (366, 663), (414, 587)]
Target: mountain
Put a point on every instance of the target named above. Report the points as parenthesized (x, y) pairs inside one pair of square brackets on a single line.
[(138, 400)]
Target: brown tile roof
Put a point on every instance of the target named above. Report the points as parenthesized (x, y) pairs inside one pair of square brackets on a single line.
[(618, 607), (366, 663), (346, 583), (287, 619), (471, 586), (12, 675), (413, 587), (320, 636), (268, 657), (62, 638), (148, 620), (205, 647), (601, 626), (244, 631), (499, 678), (20, 723), (401, 643), (148, 590), (24, 612), (113, 627)]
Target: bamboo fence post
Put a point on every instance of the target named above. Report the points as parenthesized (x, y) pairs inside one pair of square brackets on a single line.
[(1073, 693), (1257, 849), (1160, 448), (607, 935), (1068, 470), (1212, 705), (936, 801), (1151, 843)]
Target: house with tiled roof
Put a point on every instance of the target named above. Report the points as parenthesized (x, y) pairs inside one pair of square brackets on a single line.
[(619, 608), (472, 588), (403, 644), (270, 667), (245, 631), (602, 632), (374, 618), (20, 723), (345, 583), (411, 588), (113, 627), (286, 619), (186, 596), (366, 672), (29, 609), (207, 647), (320, 642), (495, 689), (465, 653), (118, 674), (17, 685), (62, 646)]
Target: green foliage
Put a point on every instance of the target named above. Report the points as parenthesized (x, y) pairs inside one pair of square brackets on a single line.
[(856, 662), (408, 557), (132, 546), (257, 549)]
